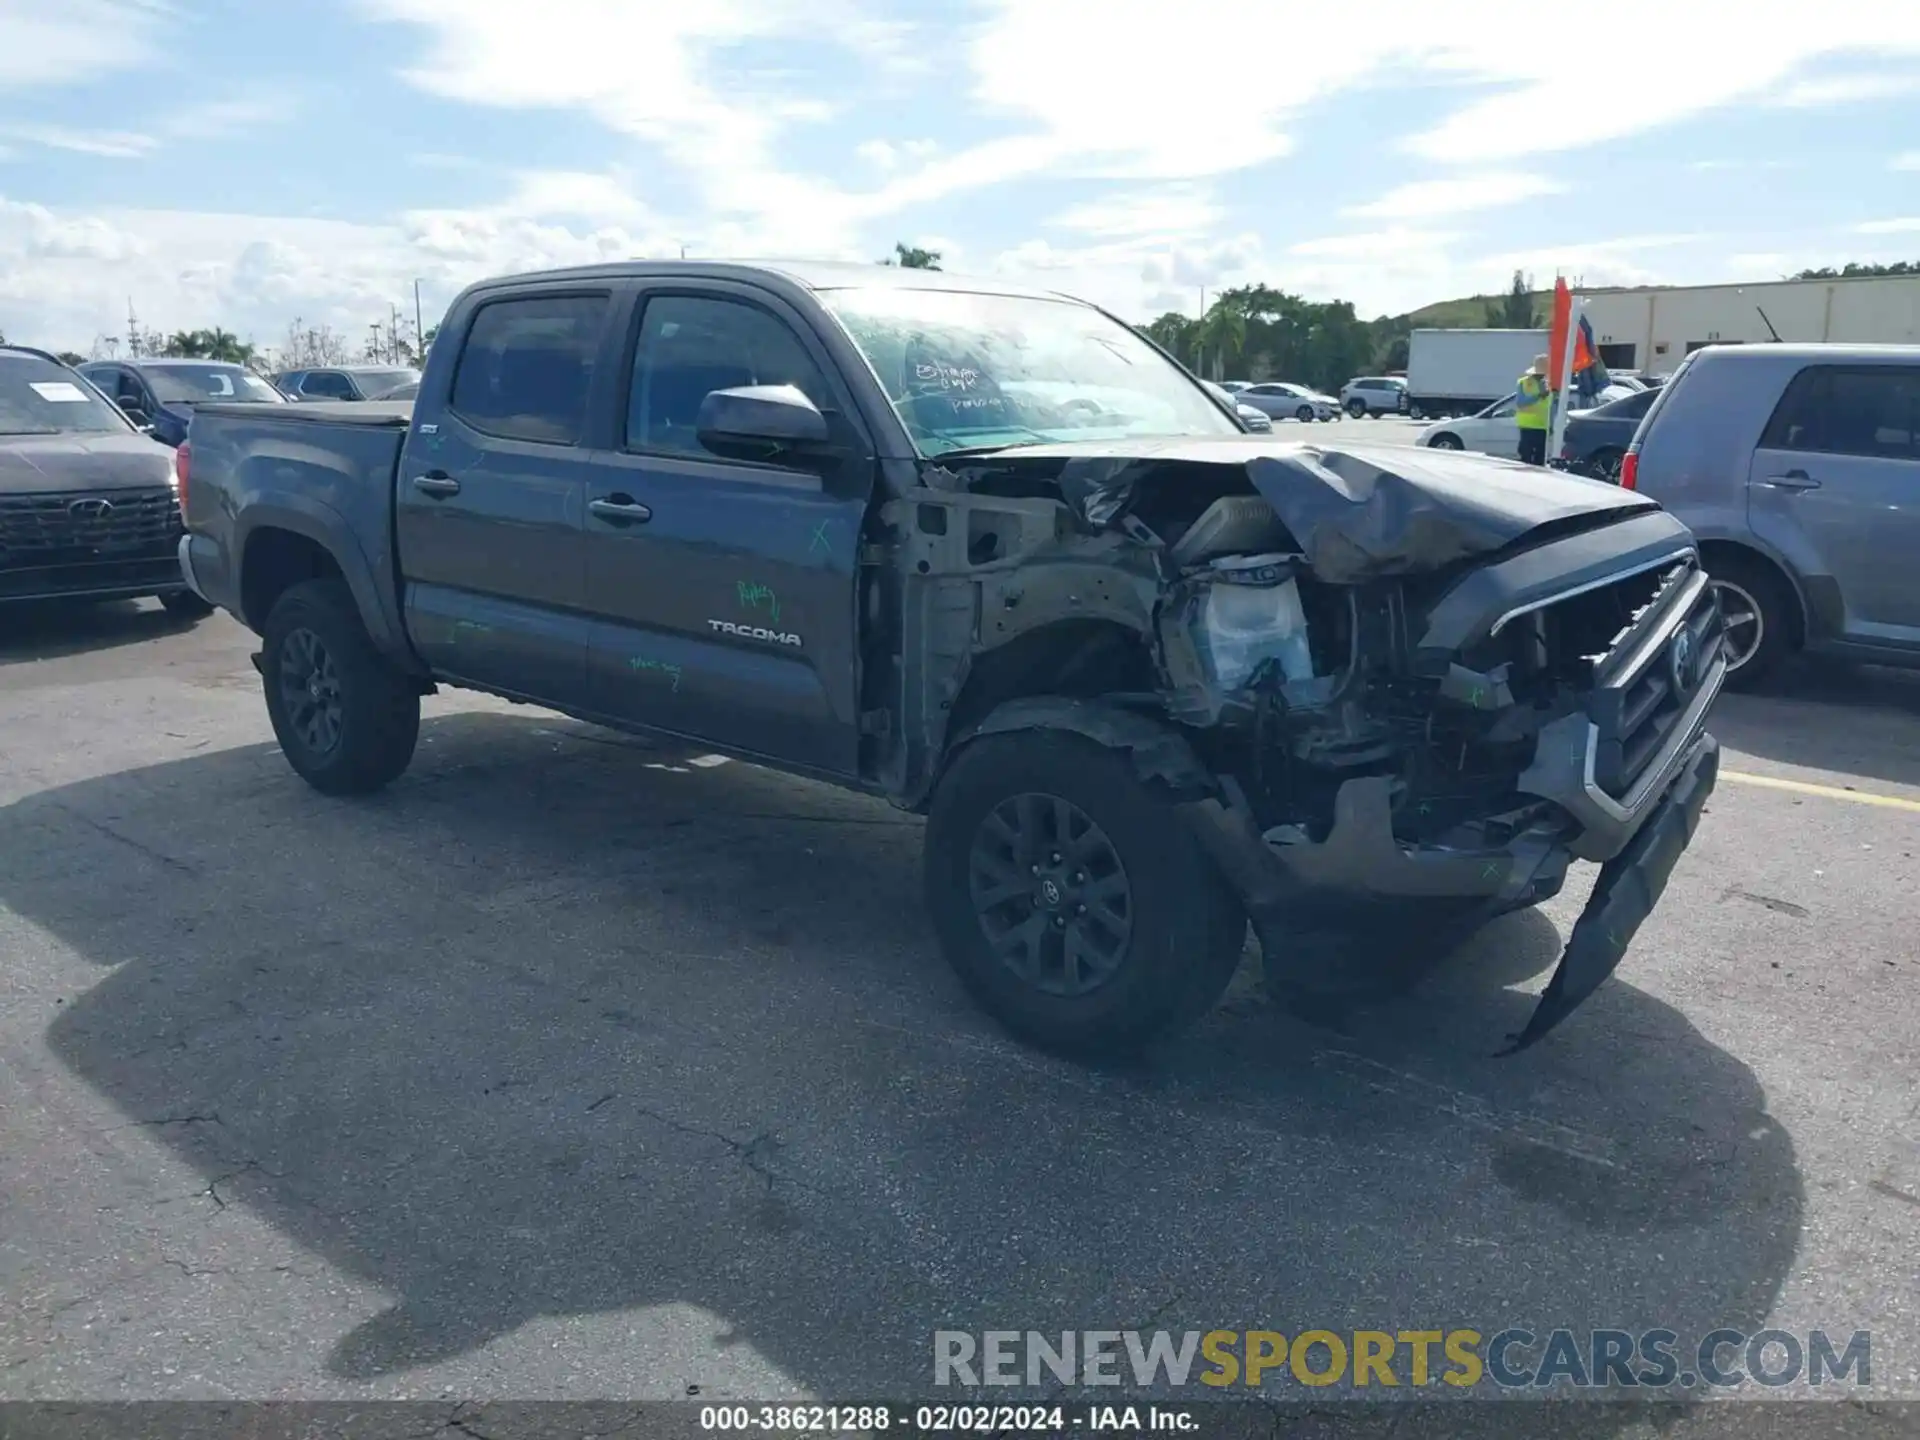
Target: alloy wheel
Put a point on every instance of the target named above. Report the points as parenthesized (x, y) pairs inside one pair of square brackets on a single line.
[(1743, 620), (310, 691), (1051, 894)]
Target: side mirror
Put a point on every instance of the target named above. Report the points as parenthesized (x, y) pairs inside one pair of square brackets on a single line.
[(757, 422)]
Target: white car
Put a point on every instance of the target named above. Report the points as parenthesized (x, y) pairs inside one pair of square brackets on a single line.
[(1494, 431), (1282, 401), (1254, 420)]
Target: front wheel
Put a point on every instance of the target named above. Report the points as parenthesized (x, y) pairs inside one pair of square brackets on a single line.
[(1445, 441), (1304, 414), (346, 719), (1070, 900)]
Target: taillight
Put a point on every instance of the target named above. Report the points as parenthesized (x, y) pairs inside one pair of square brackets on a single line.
[(182, 455), (1630, 470)]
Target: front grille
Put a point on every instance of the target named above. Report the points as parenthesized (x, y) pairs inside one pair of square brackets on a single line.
[(1642, 687), (75, 527)]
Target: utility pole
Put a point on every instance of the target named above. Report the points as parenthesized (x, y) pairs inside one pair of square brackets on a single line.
[(419, 325), (393, 334)]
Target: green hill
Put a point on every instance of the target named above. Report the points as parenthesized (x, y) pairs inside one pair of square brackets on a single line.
[(1468, 313)]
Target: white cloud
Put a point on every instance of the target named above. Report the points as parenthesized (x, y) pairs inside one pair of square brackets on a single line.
[(221, 119), (1905, 225), (59, 43), (1698, 64), (1908, 161), (111, 144), (1830, 90), (1425, 199), (1170, 211)]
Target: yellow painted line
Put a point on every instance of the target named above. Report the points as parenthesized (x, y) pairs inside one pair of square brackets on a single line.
[(1829, 792)]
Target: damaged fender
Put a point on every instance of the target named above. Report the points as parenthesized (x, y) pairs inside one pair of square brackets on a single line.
[(1158, 752)]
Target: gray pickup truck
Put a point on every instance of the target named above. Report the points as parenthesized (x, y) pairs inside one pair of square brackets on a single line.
[(990, 554)]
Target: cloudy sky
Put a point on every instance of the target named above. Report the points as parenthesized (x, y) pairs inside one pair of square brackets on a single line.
[(243, 162)]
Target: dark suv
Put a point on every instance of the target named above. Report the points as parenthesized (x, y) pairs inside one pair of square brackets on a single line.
[(345, 382), (89, 506)]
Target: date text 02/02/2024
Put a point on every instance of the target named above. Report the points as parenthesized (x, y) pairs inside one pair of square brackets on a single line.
[(945, 1419)]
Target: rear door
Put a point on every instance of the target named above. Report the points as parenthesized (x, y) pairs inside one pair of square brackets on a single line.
[(492, 491), (723, 591), (1836, 480)]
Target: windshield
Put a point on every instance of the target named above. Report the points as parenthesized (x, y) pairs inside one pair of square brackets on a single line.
[(377, 384), (200, 384), (38, 397), (968, 370)]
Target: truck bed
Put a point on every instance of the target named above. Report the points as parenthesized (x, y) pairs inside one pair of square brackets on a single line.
[(325, 470)]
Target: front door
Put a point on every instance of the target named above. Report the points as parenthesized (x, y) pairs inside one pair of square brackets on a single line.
[(492, 495), (723, 591), (1837, 478)]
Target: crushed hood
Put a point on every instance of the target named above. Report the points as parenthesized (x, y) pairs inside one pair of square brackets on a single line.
[(1358, 512)]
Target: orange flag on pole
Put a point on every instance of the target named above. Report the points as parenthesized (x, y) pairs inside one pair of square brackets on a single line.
[(1557, 336)]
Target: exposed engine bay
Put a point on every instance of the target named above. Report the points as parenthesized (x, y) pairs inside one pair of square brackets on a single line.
[(1372, 675)]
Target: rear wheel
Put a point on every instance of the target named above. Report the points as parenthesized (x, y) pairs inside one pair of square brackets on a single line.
[(1757, 609), (346, 719), (1356, 407), (1071, 902)]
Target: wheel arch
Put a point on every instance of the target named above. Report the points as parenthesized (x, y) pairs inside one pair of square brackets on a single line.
[(1798, 616)]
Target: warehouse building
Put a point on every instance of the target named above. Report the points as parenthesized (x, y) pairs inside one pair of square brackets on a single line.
[(1652, 330)]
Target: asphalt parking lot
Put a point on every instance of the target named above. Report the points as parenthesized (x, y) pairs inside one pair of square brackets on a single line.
[(576, 1066)]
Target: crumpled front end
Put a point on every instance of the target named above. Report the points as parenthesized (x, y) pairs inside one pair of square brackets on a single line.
[(1420, 684)]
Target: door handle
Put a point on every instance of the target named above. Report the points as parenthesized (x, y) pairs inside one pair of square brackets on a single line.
[(620, 510), (1792, 480), (436, 484)]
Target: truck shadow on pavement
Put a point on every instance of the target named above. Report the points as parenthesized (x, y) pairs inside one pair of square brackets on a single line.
[(1858, 720), (567, 1024)]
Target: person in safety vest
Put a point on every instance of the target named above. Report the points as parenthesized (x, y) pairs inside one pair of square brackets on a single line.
[(1534, 412)]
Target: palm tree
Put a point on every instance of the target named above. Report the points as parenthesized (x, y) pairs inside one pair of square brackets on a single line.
[(912, 257), (1223, 330)]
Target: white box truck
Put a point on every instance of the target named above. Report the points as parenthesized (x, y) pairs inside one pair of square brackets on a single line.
[(1461, 372)]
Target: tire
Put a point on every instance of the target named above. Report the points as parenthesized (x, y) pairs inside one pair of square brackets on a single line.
[(1752, 588), (1357, 408), (185, 605), (1605, 465), (996, 817), (356, 731), (1445, 440), (1304, 414)]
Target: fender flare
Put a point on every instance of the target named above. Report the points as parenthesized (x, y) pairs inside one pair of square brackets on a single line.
[(1159, 753)]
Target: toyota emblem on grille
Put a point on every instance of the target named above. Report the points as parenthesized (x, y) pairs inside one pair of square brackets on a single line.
[(90, 509), (1680, 660)]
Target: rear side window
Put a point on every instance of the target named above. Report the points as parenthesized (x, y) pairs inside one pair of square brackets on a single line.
[(327, 385), (527, 367), (1870, 410), (692, 345)]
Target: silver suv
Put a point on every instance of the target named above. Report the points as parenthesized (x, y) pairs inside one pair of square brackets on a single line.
[(1798, 468), (1374, 395)]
